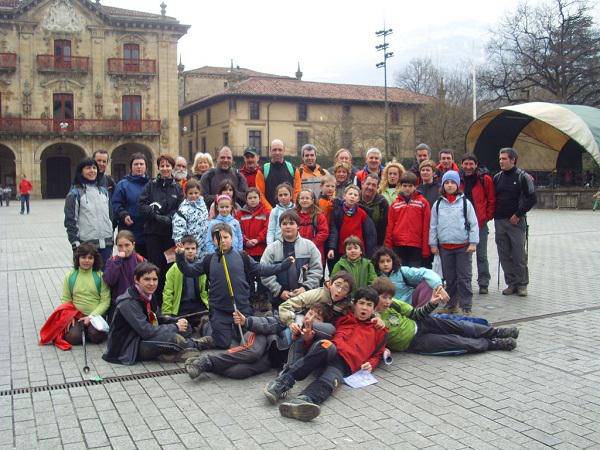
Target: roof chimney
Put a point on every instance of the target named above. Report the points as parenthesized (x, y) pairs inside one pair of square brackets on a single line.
[(298, 72)]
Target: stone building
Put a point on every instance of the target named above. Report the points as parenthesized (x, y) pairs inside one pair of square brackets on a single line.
[(240, 107), (77, 76)]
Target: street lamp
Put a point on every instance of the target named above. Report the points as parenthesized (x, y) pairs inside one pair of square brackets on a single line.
[(383, 48)]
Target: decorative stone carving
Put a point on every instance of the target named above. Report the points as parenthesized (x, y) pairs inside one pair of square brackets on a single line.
[(63, 83), (164, 131), (98, 104), (129, 85), (63, 17), (26, 98)]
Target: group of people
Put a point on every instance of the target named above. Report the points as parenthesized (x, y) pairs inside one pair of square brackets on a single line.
[(307, 269)]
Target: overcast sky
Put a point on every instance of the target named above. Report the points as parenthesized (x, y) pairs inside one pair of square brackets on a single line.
[(333, 40)]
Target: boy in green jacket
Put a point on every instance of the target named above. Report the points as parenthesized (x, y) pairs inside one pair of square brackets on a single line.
[(360, 268), (413, 330)]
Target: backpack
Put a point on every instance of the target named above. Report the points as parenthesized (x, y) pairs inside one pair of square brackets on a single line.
[(464, 197), (267, 169), (73, 279), (245, 259)]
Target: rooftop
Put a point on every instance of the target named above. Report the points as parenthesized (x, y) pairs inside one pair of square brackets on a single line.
[(226, 71)]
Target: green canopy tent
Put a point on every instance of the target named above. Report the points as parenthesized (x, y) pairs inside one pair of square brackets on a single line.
[(547, 136)]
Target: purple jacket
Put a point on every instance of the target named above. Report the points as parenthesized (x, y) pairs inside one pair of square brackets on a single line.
[(118, 273)]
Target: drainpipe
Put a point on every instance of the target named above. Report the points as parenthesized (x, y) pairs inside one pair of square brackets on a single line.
[(269, 123)]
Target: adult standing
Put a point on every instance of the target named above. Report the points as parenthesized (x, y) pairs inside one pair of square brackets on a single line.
[(515, 196), (276, 172), (202, 163), (429, 187), (180, 172), (373, 164), (250, 168), (306, 272), (213, 178), (87, 211), (158, 203), (422, 153), (478, 187), (375, 205), (25, 188), (125, 201), (104, 180), (343, 155), (311, 173), (446, 162)]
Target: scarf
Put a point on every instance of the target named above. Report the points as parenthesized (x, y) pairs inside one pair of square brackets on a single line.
[(147, 300), (349, 210)]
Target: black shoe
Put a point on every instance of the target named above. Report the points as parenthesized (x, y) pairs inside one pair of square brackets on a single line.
[(277, 389), (483, 290), (506, 344), (196, 366), (300, 408), (512, 332), (204, 343)]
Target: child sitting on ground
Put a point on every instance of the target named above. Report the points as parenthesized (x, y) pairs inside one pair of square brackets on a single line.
[(84, 296), (413, 285), (360, 268), (191, 219), (284, 202), (225, 216), (356, 345), (413, 330), (313, 223), (240, 268), (327, 195)]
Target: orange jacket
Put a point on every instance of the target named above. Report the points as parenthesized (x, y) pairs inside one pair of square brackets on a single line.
[(260, 185)]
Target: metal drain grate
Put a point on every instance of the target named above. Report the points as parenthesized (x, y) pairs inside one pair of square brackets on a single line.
[(83, 383)]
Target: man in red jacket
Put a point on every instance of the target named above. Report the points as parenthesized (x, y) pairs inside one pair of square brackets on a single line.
[(25, 188), (408, 223), (446, 162), (478, 187), (357, 345)]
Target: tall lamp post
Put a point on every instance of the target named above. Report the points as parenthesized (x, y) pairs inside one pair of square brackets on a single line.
[(383, 48)]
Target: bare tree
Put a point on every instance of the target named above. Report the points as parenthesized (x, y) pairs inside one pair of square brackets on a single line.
[(419, 75), (550, 52)]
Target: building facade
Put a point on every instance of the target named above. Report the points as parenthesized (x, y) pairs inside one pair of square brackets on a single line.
[(77, 76), (242, 109)]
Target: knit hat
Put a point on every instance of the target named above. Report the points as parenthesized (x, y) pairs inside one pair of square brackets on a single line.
[(451, 175)]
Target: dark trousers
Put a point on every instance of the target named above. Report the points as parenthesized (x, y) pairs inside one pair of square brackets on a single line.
[(443, 335), (410, 256), (106, 253), (155, 248), (427, 262), (222, 329), (24, 202), (74, 335), (483, 267), (163, 343), (510, 240), (456, 265), (243, 362)]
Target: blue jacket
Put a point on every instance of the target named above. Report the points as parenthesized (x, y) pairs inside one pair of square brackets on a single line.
[(407, 278), (448, 227), (125, 203), (238, 240), (274, 230)]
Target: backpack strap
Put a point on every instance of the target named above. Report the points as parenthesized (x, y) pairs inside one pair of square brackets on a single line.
[(290, 168), (97, 280), (266, 170), (139, 258), (467, 224), (73, 279)]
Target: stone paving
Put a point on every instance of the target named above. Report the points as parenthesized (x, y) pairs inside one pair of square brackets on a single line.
[(544, 394)]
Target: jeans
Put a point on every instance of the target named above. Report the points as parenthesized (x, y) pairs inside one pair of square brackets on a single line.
[(24, 201), (456, 265), (483, 268)]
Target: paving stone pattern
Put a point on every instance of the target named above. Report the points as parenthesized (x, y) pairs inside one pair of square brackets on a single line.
[(544, 394)]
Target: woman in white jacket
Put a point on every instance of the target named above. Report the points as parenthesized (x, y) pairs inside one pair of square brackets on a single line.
[(454, 234)]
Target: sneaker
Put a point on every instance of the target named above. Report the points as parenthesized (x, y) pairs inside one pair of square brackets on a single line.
[(300, 408), (276, 389), (204, 343), (506, 344), (522, 291), (483, 290), (196, 366), (512, 332), (509, 291), (448, 310)]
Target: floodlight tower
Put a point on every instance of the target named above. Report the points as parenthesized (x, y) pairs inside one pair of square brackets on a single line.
[(383, 48)]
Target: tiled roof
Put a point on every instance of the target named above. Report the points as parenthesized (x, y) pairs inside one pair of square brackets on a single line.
[(225, 71), (120, 12)]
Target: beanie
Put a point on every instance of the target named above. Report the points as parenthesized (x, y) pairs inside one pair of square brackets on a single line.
[(451, 175)]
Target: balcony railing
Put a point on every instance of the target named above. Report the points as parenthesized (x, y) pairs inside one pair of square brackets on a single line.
[(19, 125), (123, 66), (8, 61), (52, 63)]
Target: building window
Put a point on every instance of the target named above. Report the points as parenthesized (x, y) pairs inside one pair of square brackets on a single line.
[(203, 140), (302, 112), (190, 149), (132, 112), (191, 122), (232, 105), (346, 109), (62, 53), (255, 139), (63, 112), (394, 143), (254, 110), (208, 117), (301, 139), (131, 55), (225, 138), (394, 115)]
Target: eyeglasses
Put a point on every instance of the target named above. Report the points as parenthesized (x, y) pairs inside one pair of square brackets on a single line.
[(341, 287)]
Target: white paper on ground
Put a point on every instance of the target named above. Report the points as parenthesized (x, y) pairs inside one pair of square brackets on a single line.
[(360, 379)]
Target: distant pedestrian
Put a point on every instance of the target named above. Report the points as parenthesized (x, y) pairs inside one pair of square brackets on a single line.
[(25, 188)]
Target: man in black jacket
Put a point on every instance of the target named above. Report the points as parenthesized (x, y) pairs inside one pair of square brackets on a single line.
[(211, 180), (375, 204), (515, 196)]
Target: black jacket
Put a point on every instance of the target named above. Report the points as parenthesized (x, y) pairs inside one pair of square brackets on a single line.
[(129, 326), (515, 193), (378, 212), (158, 203)]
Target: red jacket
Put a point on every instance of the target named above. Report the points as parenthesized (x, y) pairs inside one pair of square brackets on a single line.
[(408, 223), (25, 187), (318, 234), (359, 342), (441, 170), (249, 175), (56, 325), (254, 225), (483, 197)]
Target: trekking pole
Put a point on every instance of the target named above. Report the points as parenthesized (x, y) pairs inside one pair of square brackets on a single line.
[(229, 286), (86, 368)]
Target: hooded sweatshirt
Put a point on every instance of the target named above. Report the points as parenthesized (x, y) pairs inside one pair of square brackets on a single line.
[(125, 203)]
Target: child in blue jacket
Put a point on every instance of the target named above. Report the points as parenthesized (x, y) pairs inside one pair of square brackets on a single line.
[(224, 209)]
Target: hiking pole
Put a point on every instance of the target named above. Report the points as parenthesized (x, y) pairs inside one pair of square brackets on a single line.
[(186, 316), (86, 368), (229, 286)]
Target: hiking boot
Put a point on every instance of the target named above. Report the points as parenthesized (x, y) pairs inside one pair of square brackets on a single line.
[(277, 389), (196, 366), (300, 408), (509, 291), (180, 356), (466, 312), (483, 290), (204, 343), (512, 332), (448, 310), (506, 344), (522, 291)]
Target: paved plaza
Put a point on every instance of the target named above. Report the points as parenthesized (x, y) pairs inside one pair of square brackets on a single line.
[(545, 394)]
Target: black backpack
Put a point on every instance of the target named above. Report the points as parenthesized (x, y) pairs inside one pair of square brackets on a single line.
[(464, 197)]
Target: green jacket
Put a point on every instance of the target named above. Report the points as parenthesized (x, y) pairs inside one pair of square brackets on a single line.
[(362, 271), (85, 294), (174, 288), (401, 321)]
